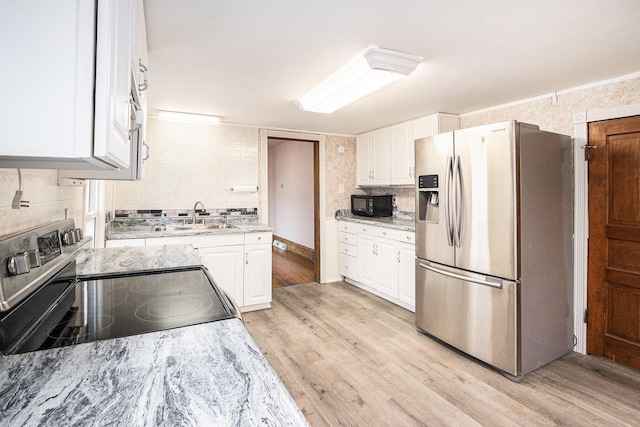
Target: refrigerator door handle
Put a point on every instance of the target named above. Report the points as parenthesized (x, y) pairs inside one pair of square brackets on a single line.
[(494, 283), (458, 208), (447, 202)]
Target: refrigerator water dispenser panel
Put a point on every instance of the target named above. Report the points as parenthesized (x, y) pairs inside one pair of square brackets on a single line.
[(428, 181)]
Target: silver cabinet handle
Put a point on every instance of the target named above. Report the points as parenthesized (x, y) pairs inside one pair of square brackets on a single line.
[(138, 115), (147, 151), (246, 258), (398, 257), (144, 71)]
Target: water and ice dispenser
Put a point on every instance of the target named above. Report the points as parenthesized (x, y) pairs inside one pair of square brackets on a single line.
[(428, 199)]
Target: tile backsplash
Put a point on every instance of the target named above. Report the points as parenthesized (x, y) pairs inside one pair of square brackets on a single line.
[(48, 202), (190, 163)]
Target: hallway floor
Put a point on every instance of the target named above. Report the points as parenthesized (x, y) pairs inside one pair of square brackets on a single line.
[(290, 269)]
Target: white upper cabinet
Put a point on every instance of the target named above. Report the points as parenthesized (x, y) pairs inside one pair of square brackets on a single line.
[(372, 152), (137, 73), (385, 156), (402, 155), (67, 84)]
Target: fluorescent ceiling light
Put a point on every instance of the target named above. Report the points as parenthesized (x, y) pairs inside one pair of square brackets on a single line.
[(172, 116), (370, 71)]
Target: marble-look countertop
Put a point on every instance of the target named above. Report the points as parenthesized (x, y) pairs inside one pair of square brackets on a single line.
[(211, 374), (144, 229), (400, 222), (90, 262)]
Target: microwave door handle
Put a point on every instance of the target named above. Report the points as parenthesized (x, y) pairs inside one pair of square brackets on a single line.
[(447, 207)]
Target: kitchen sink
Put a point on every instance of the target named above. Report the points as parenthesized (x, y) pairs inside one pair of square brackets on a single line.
[(187, 227)]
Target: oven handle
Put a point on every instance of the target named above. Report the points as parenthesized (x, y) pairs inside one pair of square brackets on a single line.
[(233, 303)]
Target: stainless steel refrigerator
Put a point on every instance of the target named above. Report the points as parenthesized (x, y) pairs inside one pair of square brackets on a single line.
[(494, 239)]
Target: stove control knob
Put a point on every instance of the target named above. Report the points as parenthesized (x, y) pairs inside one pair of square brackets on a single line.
[(69, 237), (34, 258), (18, 264), (79, 234)]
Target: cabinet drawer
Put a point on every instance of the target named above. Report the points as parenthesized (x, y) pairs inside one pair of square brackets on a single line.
[(349, 239), (349, 266), (348, 227), (388, 233), (199, 240), (346, 249), (256, 238)]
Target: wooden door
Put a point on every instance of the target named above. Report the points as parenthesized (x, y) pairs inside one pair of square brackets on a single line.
[(613, 289)]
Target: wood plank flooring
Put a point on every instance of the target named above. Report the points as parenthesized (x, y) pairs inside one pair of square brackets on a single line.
[(350, 358), (290, 269)]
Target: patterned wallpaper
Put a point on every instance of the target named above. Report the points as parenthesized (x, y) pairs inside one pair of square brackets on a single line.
[(47, 201), (340, 168), (559, 117)]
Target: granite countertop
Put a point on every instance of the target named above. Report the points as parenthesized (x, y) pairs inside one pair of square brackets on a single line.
[(141, 229), (404, 221), (90, 262), (208, 374)]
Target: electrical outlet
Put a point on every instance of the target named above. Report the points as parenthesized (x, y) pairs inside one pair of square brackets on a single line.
[(341, 188)]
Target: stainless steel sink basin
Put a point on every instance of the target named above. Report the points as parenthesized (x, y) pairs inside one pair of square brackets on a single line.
[(190, 227)]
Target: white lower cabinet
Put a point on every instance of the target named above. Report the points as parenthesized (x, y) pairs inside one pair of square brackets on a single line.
[(226, 266), (257, 269), (384, 262), (239, 263), (123, 243)]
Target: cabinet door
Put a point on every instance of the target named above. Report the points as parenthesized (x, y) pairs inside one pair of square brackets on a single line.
[(121, 243), (402, 155), (387, 267), (257, 274), (380, 157), (113, 81), (364, 167), (407, 274), (366, 259), (225, 264)]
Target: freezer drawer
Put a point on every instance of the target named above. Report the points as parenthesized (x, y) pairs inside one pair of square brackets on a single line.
[(479, 319)]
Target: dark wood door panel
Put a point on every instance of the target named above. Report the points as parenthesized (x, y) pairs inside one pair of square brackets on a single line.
[(613, 277)]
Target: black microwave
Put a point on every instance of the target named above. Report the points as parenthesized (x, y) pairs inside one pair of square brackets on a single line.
[(373, 206)]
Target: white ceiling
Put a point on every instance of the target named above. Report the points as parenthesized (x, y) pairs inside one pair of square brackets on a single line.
[(249, 60)]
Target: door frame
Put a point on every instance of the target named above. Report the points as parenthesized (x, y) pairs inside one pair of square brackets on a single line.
[(581, 122), (319, 156)]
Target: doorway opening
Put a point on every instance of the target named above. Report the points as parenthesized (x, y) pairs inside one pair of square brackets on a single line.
[(293, 195)]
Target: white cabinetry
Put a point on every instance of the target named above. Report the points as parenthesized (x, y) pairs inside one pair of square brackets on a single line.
[(240, 263), (372, 152), (348, 249), (402, 154), (385, 261), (386, 156), (136, 72), (122, 243), (69, 86), (257, 269)]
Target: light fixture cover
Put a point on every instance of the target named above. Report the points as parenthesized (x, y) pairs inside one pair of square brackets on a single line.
[(172, 116), (368, 72)]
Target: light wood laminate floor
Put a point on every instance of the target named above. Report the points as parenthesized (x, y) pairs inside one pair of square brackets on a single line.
[(350, 358)]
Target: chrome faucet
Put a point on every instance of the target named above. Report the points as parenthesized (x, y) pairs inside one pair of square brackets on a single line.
[(194, 212)]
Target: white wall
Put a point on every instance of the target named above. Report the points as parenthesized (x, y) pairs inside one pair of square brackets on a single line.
[(291, 191)]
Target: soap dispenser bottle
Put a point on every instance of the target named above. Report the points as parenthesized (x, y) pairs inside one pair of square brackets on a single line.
[(163, 220)]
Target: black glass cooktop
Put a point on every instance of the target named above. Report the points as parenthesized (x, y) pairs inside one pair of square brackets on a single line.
[(110, 307)]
